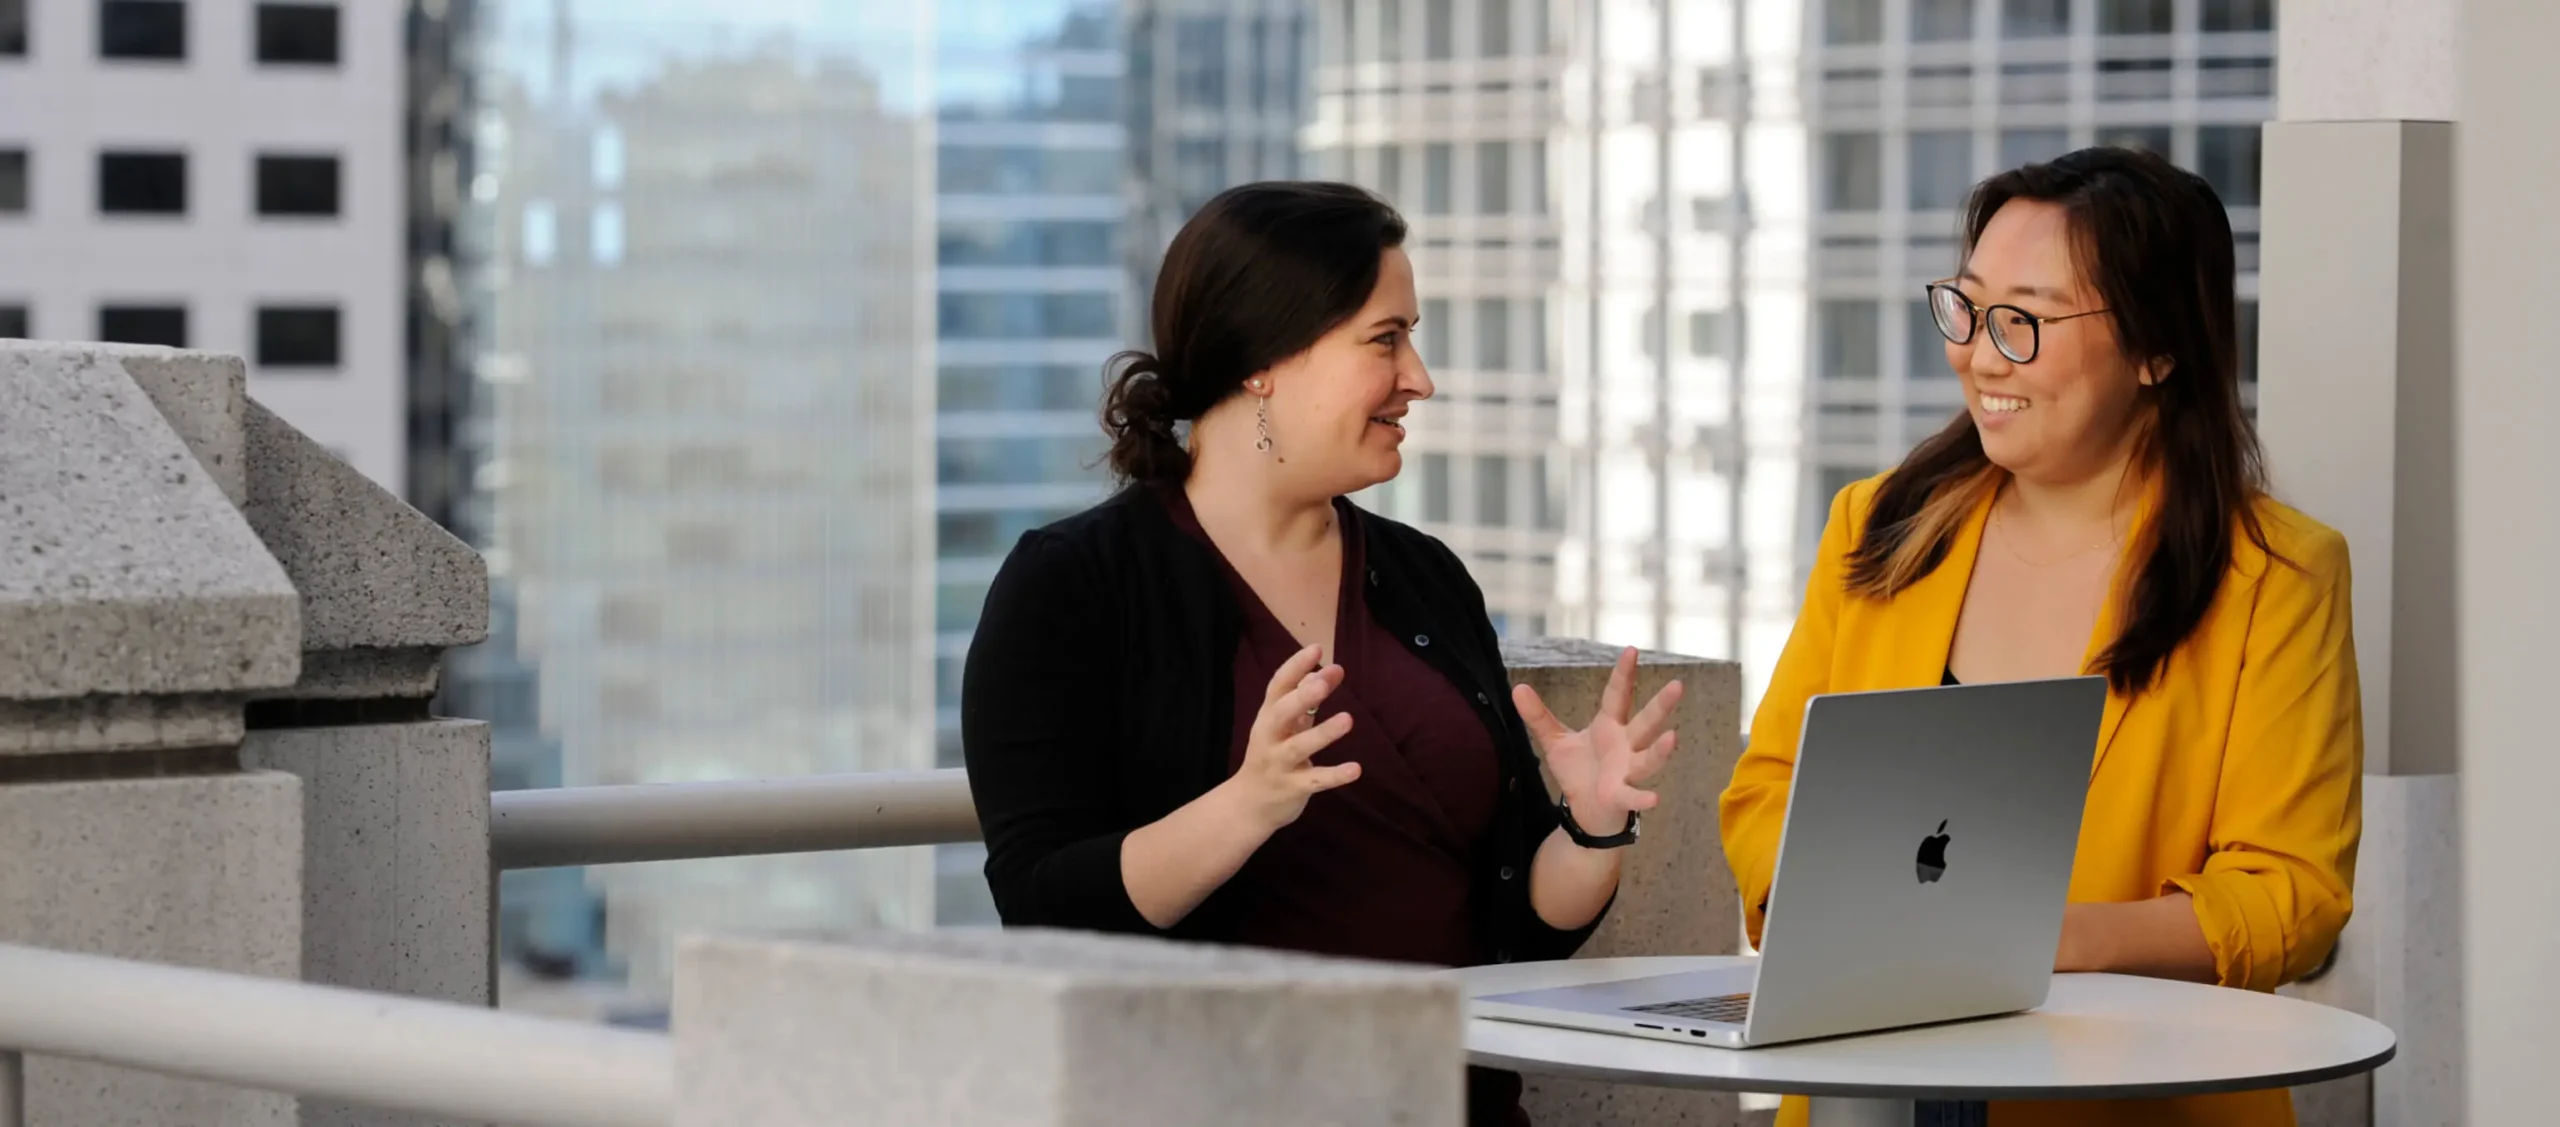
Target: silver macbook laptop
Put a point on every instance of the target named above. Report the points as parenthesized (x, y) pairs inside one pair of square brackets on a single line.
[(1921, 875)]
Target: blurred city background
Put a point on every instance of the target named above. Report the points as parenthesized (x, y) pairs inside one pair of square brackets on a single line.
[(745, 336)]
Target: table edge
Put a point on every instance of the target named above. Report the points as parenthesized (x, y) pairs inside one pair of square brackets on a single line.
[(1535, 1068)]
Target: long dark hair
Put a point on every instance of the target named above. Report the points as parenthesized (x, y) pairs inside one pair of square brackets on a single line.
[(1260, 274), (2155, 241)]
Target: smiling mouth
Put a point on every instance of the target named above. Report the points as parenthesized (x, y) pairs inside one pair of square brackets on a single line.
[(1393, 424), (2002, 404)]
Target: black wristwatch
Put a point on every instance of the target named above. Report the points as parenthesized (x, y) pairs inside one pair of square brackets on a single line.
[(1573, 829)]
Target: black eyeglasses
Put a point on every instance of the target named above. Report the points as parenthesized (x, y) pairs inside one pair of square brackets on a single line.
[(1957, 315)]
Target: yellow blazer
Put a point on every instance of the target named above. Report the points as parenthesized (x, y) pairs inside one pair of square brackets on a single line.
[(2237, 777)]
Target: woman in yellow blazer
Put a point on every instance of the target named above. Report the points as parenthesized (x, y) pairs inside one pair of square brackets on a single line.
[(2100, 508)]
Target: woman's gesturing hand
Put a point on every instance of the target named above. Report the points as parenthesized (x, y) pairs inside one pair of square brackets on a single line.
[(1601, 768), (1278, 776)]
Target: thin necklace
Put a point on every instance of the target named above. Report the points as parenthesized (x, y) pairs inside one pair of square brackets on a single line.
[(2010, 542)]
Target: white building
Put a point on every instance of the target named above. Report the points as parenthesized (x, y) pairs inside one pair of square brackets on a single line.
[(218, 174)]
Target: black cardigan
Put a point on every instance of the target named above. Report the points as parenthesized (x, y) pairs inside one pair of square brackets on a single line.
[(1098, 697)]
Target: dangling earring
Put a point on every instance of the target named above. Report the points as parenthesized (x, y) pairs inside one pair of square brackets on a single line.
[(1262, 422)]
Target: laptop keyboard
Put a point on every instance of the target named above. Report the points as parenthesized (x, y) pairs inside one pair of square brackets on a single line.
[(1730, 1009)]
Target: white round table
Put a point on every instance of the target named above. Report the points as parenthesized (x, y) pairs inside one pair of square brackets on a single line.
[(2098, 1036)]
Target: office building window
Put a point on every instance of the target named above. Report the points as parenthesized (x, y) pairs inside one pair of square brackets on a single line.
[(142, 29), (1493, 334), (1024, 170), (2228, 158), (1431, 336), (1021, 242), (2154, 138), (2035, 19), (297, 185), (1941, 168), (1493, 490), (143, 324), (1493, 17), (1546, 489), (298, 34), (1493, 177), (2248, 333), (1928, 347), (1439, 29), (1707, 334), (1534, 315), (13, 181), (1437, 158), (13, 322), (13, 29), (1847, 22), (2134, 80), (2022, 147), (2136, 17), (1027, 316), (1537, 157), (1027, 387), (1847, 330), (1200, 61), (2239, 15), (1390, 30), (142, 183), (1852, 171), (298, 336), (1432, 470), (1389, 178), (1941, 20)]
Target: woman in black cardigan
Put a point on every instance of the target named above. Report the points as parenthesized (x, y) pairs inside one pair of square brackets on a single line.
[(1226, 705)]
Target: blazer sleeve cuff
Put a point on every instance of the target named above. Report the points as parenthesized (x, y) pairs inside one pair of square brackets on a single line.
[(2241, 925)]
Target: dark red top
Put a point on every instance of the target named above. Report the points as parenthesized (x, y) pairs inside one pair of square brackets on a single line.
[(1381, 868)]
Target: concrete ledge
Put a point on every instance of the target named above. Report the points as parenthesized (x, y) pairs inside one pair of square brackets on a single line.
[(965, 1028), (376, 577), (83, 724), (195, 872), (131, 572)]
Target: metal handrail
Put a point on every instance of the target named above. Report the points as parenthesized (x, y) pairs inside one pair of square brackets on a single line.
[(399, 1054), (533, 829)]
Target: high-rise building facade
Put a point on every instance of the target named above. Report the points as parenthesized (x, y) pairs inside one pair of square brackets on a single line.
[(1671, 258), (705, 340), (220, 174), (1030, 296), (1591, 452)]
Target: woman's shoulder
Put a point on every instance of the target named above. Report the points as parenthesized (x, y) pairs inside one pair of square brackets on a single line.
[(1395, 543), (2300, 548)]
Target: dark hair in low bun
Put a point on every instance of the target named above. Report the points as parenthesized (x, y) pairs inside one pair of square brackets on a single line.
[(1260, 274)]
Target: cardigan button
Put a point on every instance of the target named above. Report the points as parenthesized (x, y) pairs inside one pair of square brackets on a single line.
[(1422, 639), (1515, 784), (1502, 956), (1483, 699), (1373, 577), (1506, 872)]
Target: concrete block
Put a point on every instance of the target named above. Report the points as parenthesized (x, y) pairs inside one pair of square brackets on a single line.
[(396, 887), (205, 398), (130, 572), (1675, 894), (374, 574), (202, 871), (1074, 1030)]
